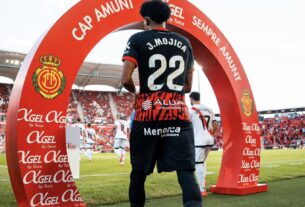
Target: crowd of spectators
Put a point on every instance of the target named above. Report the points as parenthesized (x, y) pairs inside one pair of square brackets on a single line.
[(72, 113), (96, 107), (4, 97), (124, 103), (282, 131)]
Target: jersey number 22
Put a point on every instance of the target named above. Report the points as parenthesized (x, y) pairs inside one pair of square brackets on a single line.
[(172, 63)]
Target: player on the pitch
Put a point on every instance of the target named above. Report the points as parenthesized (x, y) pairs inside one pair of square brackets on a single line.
[(91, 136), (82, 130), (120, 138), (161, 131), (205, 125)]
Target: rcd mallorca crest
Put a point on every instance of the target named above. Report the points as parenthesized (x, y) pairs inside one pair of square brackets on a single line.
[(49, 81), (246, 103)]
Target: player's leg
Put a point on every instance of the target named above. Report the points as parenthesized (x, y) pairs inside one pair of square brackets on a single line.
[(143, 160), (200, 171), (200, 176), (137, 188), (123, 151), (190, 192), (206, 153), (178, 153), (116, 146), (90, 153)]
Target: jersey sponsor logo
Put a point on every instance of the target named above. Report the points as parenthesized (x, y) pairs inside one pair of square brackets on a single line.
[(161, 106), (146, 105), (163, 132), (246, 103), (49, 81)]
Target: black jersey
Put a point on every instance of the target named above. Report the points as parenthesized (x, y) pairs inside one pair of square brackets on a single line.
[(163, 58)]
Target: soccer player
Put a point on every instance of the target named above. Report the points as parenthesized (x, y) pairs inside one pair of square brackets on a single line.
[(161, 131), (205, 125), (120, 138), (90, 141), (82, 132)]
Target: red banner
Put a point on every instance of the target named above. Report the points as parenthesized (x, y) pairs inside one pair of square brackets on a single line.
[(36, 147)]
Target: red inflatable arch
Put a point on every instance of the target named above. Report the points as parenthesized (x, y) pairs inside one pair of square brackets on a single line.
[(41, 92)]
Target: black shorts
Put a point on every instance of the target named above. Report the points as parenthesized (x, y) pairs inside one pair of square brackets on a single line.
[(170, 144)]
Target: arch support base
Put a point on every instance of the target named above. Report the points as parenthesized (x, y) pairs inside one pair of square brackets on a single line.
[(239, 190)]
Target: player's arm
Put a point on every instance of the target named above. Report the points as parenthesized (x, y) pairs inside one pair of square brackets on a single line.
[(126, 80), (113, 129), (130, 59), (214, 122), (189, 71), (188, 81)]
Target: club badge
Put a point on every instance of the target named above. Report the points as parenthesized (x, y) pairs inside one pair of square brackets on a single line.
[(49, 81), (246, 103)]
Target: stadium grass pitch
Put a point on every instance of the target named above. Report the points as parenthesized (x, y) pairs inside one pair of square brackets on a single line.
[(103, 181)]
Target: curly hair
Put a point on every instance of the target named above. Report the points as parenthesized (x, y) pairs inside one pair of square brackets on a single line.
[(157, 10)]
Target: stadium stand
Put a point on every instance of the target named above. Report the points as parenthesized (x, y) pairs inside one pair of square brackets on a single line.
[(95, 106), (4, 97), (124, 103), (72, 113), (283, 131)]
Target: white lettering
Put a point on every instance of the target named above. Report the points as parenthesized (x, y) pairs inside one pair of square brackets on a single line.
[(41, 199), (163, 132), (112, 7), (248, 152), (70, 195), (27, 116), (248, 179), (201, 25), (231, 63), (26, 158), (84, 27), (56, 157), (40, 138), (176, 11), (56, 117), (250, 140)]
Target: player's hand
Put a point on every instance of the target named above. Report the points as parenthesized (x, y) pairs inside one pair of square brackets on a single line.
[(135, 100)]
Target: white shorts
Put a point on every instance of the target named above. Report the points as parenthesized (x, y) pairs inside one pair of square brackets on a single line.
[(201, 149), (120, 143), (199, 155), (204, 141)]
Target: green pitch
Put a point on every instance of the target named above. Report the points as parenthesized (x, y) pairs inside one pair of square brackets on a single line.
[(103, 181)]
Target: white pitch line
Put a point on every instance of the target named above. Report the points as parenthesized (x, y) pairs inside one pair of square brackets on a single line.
[(104, 175), (283, 161), (210, 173), (298, 163), (271, 166), (3, 166)]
